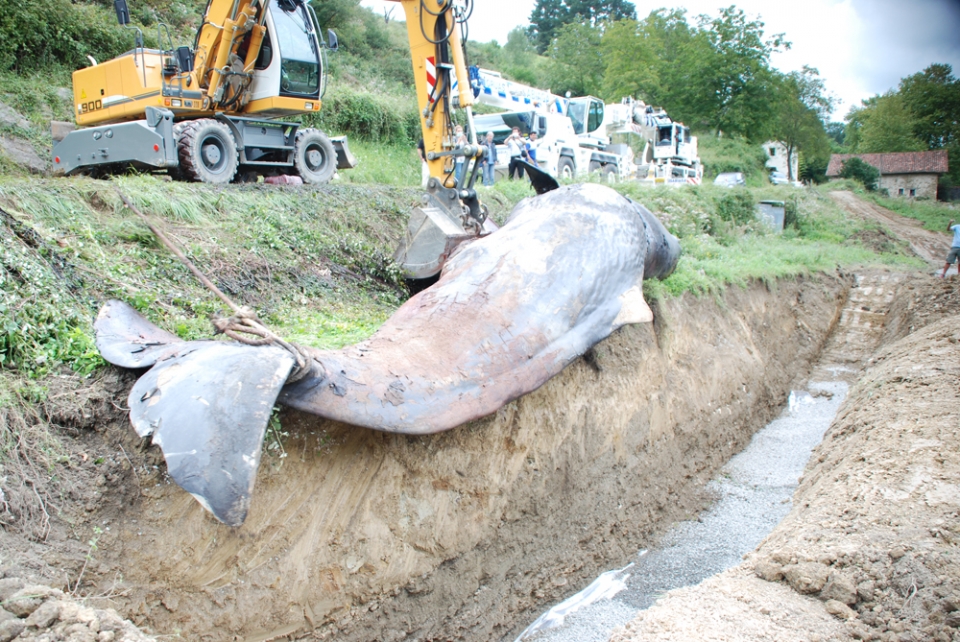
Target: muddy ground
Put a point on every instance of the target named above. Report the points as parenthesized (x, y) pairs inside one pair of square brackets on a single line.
[(357, 535), (870, 548)]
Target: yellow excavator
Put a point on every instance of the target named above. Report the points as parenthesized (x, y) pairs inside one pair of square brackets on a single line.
[(206, 113)]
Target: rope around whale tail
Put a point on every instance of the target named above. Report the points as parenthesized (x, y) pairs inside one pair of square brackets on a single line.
[(243, 325)]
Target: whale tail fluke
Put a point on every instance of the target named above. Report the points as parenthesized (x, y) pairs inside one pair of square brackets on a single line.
[(207, 404)]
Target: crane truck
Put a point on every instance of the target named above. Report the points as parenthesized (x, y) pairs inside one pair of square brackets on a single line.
[(207, 112), (626, 140)]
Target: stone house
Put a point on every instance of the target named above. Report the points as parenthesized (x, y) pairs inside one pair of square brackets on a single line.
[(907, 174), (776, 153)]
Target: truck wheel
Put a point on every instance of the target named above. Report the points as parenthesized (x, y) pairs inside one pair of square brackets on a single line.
[(565, 168), (208, 152), (594, 166), (609, 174), (314, 157)]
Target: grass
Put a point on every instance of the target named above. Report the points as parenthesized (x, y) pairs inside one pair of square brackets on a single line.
[(934, 214), (717, 253), (282, 251)]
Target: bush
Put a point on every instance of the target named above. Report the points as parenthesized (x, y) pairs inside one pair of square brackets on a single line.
[(368, 116), (737, 207), (861, 171), (39, 33), (730, 154)]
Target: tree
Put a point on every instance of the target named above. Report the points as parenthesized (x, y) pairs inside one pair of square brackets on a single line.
[(861, 171), (630, 61), (735, 82), (520, 60), (933, 97), (836, 131), (882, 124), (801, 106), (576, 63), (548, 16)]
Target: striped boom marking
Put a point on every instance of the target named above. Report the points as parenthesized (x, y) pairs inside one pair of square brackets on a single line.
[(431, 76)]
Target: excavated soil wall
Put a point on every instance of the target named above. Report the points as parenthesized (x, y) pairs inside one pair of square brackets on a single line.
[(467, 535)]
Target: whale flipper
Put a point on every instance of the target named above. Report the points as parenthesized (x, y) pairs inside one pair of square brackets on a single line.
[(633, 308), (125, 338)]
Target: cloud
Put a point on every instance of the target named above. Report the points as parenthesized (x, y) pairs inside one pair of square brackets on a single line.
[(903, 38)]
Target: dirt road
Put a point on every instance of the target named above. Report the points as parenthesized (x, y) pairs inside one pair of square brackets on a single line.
[(930, 246), (869, 549)]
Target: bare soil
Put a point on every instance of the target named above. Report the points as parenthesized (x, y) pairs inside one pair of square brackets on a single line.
[(869, 550), (357, 535)]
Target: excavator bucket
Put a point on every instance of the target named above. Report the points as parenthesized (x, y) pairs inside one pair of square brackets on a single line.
[(430, 239), (345, 160), (434, 232)]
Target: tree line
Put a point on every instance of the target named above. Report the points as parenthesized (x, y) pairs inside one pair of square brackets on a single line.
[(713, 73), (922, 113)]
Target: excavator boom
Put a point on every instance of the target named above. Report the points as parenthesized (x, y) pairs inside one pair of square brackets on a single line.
[(450, 213)]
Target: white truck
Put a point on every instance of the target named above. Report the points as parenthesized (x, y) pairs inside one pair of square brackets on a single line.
[(622, 141)]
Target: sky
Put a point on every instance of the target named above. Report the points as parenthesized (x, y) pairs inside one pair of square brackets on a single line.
[(860, 47)]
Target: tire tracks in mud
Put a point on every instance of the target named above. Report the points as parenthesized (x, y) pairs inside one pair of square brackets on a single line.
[(929, 246)]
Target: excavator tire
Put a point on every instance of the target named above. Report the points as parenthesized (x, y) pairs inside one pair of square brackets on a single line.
[(208, 152), (314, 156)]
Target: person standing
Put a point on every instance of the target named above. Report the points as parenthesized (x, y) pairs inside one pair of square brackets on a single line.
[(954, 254), (515, 147), (489, 159), (532, 145), (424, 168), (459, 142)]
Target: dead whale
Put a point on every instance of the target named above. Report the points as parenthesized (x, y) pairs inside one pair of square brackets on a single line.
[(509, 312)]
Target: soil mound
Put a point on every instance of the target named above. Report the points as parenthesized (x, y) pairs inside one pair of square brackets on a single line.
[(33, 612)]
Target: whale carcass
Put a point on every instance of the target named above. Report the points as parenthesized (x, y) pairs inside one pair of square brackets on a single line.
[(509, 312)]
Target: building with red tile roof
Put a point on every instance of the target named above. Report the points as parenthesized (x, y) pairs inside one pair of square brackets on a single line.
[(908, 174)]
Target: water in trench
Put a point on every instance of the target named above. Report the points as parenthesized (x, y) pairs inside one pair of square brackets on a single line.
[(753, 492), (754, 489)]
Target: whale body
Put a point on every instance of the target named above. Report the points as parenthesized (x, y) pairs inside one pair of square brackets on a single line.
[(509, 312)]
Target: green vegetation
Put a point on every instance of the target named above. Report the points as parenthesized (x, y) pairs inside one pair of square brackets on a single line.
[(68, 245), (922, 114), (934, 215), (732, 154), (862, 172), (723, 245)]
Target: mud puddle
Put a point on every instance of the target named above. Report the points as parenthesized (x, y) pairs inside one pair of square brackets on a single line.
[(753, 492)]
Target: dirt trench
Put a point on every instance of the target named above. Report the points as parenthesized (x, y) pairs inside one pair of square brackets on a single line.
[(466, 535), (868, 551)]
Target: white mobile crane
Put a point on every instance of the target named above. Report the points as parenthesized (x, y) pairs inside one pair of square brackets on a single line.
[(626, 140)]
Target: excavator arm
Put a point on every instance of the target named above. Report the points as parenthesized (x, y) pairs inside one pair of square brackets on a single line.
[(439, 65), (225, 25), (451, 213)]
